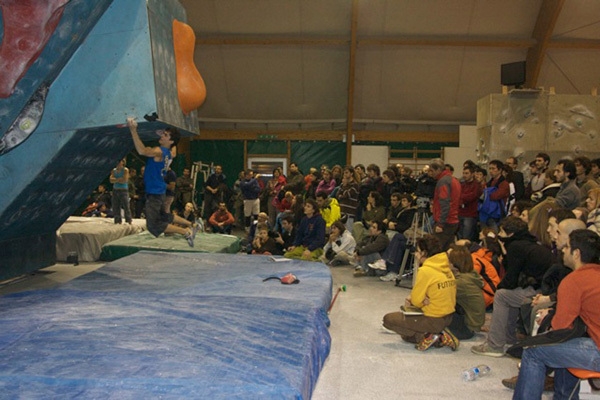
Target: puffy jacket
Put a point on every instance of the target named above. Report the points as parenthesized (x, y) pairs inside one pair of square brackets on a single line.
[(446, 199)]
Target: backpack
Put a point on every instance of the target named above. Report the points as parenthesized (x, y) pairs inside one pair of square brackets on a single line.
[(488, 208), (486, 269)]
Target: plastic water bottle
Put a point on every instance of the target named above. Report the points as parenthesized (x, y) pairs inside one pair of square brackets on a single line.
[(473, 373)]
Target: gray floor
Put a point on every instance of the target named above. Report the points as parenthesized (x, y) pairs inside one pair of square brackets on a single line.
[(365, 362)]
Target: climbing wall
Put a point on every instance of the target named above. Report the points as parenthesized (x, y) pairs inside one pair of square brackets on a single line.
[(523, 123), (98, 67)]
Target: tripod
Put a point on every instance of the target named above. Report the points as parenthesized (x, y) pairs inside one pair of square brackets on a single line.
[(421, 226)]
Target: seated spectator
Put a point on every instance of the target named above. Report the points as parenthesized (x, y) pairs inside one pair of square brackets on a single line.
[(373, 212), (221, 221), (98, 210), (189, 212), (592, 204), (401, 214), (310, 237), (525, 263), (551, 279), (521, 209), (483, 265), (579, 296), (369, 250), (329, 209), (339, 249), (541, 221), (285, 239), (263, 243), (246, 243), (584, 180), (470, 305), (434, 293)]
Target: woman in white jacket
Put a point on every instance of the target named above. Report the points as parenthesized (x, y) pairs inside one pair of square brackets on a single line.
[(339, 249), (592, 203)]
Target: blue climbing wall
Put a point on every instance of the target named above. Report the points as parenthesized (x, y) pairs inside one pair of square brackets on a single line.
[(107, 59)]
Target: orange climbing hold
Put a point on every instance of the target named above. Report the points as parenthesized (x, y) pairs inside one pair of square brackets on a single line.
[(191, 89)]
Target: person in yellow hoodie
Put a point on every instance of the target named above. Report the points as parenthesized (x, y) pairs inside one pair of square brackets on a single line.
[(434, 293), (329, 209)]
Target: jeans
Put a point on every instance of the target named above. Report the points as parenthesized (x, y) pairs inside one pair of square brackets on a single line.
[(467, 228), (121, 201), (507, 305), (576, 353)]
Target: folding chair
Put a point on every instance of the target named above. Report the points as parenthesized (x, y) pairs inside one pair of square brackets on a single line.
[(582, 374)]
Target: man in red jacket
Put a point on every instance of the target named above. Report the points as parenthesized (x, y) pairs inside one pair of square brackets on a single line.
[(470, 192), (446, 201)]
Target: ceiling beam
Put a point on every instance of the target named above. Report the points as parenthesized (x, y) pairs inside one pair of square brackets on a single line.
[(542, 32), (336, 136), (276, 40), (367, 41)]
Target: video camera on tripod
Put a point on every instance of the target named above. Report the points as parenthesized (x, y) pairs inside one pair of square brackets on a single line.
[(425, 191)]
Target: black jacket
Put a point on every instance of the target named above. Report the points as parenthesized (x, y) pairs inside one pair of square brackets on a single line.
[(525, 263)]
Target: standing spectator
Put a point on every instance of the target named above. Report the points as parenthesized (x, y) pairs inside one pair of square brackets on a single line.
[(446, 201), (184, 189), (508, 174), (347, 196), (295, 180), (470, 192), (585, 181), (542, 161), (171, 181), (502, 192), (140, 191), (518, 178), (327, 183), (221, 221), (595, 169), (568, 195), (214, 188), (274, 188), (250, 192), (390, 185), (119, 177), (133, 197), (407, 183)]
